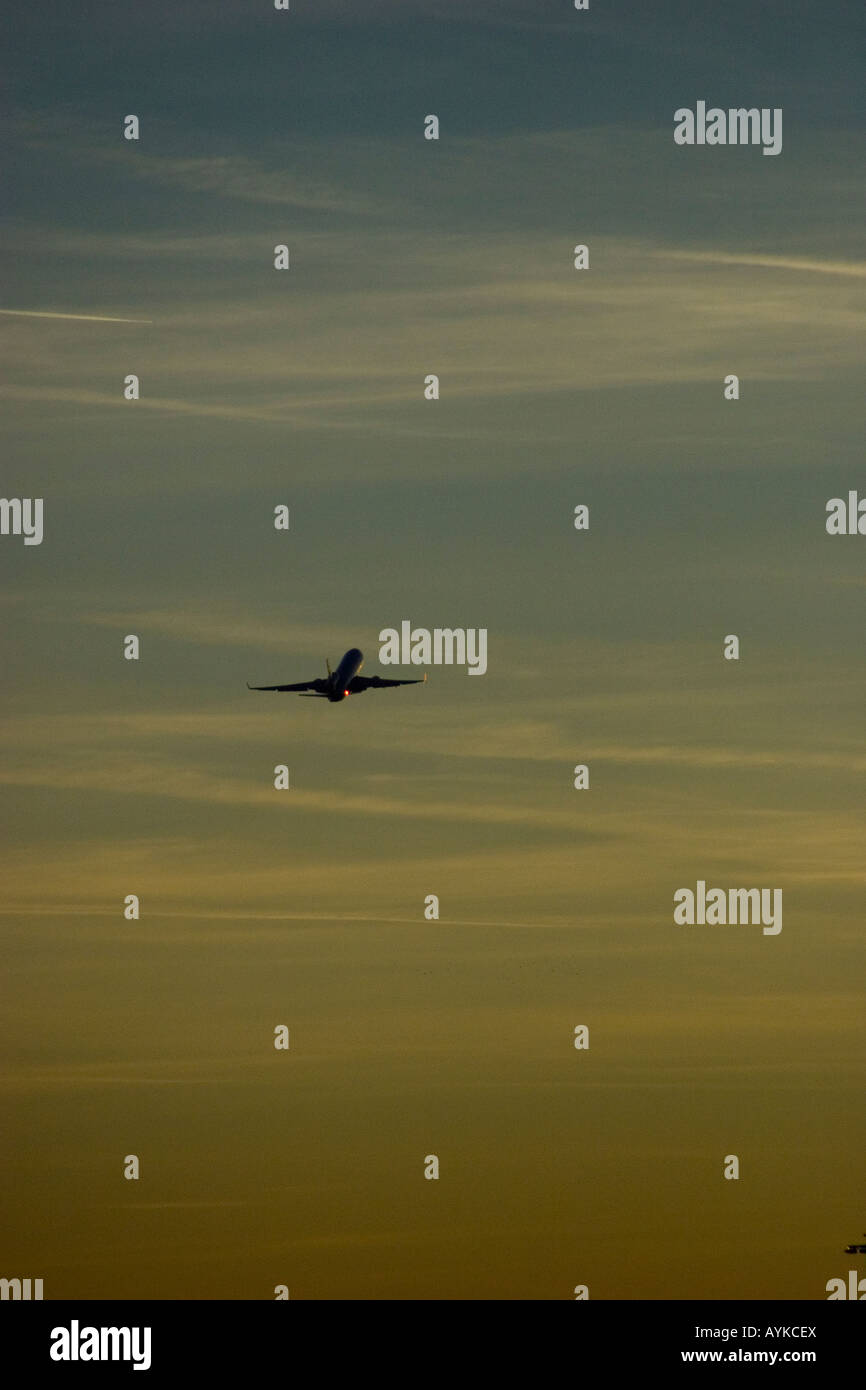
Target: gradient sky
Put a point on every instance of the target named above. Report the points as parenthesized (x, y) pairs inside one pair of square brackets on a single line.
[(306, 907)]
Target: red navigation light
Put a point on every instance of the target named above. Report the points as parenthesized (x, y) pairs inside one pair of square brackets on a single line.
[(345, 692)]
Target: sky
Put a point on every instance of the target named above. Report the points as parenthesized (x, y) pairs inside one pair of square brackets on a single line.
[(559, 1167)]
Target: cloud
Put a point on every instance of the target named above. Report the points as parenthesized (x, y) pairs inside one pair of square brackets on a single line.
[(483, 736), (493, 342), (129, 246), (241, 177), (163, 778), (502, 326), (235, 177), (230, 628), (83, 318), (60, 395), (857, 269)]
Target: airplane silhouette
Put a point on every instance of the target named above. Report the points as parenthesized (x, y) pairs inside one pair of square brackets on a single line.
[(340, 683)]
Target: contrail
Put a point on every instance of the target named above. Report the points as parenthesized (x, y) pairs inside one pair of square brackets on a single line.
[(86, 318), (857, 268)]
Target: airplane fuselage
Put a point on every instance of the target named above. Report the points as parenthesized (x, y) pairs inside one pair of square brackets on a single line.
[(341, 679)]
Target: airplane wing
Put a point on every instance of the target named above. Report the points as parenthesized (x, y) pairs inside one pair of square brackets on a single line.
[(320, 686), (362, 683)]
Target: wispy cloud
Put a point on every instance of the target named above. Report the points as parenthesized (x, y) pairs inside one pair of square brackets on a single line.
[(231, 628), (241, 177), (485, 735), (857, 269), (81, 318), (236, 177), (493, 336), (163, 778)]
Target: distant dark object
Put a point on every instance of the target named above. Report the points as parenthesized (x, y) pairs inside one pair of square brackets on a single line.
[(340, 683), (855, 1249)]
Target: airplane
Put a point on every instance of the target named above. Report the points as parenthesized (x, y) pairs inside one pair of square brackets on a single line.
[(340, 683)]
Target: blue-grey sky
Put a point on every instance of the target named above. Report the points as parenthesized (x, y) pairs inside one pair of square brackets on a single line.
[(305, 387)]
